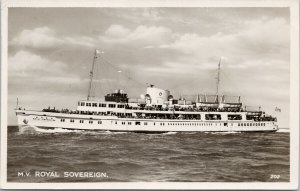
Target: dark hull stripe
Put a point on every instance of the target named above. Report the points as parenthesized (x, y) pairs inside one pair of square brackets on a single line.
[(154, 132)]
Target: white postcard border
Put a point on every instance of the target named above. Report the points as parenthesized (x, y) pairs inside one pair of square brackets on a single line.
[(294, 92)]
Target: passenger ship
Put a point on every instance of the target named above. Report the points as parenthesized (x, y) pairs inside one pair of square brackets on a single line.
[(157, 111)]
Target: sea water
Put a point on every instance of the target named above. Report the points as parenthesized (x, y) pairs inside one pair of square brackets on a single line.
[(36, 155)]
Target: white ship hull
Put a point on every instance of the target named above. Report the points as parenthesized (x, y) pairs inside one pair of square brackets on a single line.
[(112, 123)]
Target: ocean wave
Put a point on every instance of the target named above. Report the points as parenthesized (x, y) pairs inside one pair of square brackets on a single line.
[(115, 132), (223, 132), (170, 133), (34, 129), (283, 130)]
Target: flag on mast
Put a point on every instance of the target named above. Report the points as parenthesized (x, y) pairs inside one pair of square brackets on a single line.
[(99, 51), (277, 109)]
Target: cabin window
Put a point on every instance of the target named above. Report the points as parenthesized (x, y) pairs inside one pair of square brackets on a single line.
[(212, 116), (116, 122), (88, 104), (99, 122), (129, 123), (62, 120), (94, 105), (112, 105), (79, 103), (234, 117), (82, 104), (121, 106), (145, 123), (137, 123), (102, 105), (90, 122), (72, 120), (81, 121)]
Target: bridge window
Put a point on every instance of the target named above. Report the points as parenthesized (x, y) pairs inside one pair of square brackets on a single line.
[(82, 104), (121, 106), (137, 123), (88, 104), (234, 117), (212, 116), (94, 105)]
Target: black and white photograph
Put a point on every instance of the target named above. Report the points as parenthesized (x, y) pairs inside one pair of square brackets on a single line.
[(150, 95)]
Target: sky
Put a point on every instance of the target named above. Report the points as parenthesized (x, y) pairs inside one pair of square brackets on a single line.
[(50, 53)]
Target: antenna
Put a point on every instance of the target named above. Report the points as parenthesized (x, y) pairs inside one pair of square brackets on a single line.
[(218, 77), (92, 74), (17, 106)]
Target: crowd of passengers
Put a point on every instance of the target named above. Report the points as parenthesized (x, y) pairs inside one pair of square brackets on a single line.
[(188, 109), (195, 109), (256, 117)]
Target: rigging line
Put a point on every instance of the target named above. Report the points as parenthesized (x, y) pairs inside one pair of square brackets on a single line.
[(234, 84), (128, 77), (117, 69)]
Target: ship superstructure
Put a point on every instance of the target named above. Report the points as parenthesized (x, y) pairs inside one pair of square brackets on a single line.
[(156, 111)]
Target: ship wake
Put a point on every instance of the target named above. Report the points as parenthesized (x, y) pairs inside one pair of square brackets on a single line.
[(34, 129)]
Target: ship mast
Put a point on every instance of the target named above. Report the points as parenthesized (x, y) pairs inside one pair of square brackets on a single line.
[(92, 75), (218, 79)]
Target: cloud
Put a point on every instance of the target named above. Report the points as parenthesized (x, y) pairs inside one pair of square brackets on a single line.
[(136, 15), (42, 37), (45, 37), (30, 72), (25, 63), (141, 34), (257, 42), (117, 31)]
